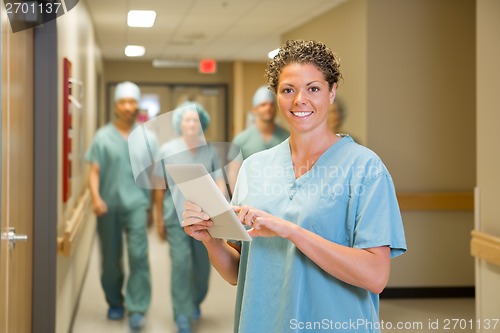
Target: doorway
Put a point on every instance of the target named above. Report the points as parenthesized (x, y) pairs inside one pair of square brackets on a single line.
[(17, 120)]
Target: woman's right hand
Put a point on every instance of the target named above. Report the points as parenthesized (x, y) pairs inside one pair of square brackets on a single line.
[(196, 222)]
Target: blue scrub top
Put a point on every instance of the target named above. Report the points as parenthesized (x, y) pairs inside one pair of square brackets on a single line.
[(347, 197), (117, 186), (177, 152)]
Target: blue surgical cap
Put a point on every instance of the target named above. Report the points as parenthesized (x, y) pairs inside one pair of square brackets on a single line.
[(127, 89), (186, 106), (263, 94)]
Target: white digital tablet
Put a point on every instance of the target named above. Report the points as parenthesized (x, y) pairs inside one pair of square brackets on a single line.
[(197, 186)]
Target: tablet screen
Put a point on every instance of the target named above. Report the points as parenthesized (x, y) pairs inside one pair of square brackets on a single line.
[(197, 186)]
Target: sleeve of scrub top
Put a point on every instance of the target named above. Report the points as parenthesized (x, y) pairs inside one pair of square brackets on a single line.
[(158, 166), (378, 219), (216, 164), (93, 154)]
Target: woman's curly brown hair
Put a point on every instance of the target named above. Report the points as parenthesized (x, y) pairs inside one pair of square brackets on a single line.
[(304, 52)]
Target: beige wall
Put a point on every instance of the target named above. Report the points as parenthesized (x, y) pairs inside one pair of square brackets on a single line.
[(421, 90), (421, 121), (248, 76), (409, 88), (77, 43), (143, 72), (488, 153), (344, 30)]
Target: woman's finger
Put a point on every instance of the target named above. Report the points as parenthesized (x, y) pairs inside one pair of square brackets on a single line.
[(201, 226), (188, 214), (250, 218), (193, 213), (188, 205)]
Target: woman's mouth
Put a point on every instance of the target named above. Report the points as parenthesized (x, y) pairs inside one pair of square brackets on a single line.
[(301, 114)]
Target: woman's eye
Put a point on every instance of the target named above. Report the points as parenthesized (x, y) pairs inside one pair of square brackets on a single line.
[(314, 89), (286, 90)]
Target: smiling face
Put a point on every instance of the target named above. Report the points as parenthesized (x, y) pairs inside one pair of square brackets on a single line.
[(304, 97)]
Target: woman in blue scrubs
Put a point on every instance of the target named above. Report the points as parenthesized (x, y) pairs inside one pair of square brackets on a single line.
[(190, 265), (321, 209)]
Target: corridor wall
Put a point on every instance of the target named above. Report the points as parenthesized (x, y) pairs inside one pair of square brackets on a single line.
[(76, 42)]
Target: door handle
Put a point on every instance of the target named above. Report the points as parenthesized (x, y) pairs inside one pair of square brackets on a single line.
[(12, 237)]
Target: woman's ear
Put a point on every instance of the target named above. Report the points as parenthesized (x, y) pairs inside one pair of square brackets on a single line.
[(333, 92)]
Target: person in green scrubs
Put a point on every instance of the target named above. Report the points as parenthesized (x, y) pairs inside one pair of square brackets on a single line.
[(121, 208), (262, 135), (321, 209), (265, 133), (190, 269)]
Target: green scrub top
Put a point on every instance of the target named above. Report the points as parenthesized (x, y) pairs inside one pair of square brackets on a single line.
[(177, 152), (251, 141), (347, 197), (117, 186)]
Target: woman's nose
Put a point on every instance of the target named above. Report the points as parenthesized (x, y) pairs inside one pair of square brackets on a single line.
[(300, 97)]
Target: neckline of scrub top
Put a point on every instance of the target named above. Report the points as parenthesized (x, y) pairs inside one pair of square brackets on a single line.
[(261, 136), (120, 134), (296, 183), (193, 152)]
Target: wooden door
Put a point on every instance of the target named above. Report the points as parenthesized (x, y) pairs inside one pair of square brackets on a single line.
[(17, 177)]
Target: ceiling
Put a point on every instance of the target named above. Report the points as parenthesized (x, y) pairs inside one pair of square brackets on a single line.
[(190, 30)]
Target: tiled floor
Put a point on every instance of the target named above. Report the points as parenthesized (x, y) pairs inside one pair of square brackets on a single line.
[(401, 315)]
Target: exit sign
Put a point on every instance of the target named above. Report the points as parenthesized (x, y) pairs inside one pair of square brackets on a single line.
[(207, 66)]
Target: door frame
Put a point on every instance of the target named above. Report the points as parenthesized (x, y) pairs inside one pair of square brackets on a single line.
[(1, 116), (45, 178)]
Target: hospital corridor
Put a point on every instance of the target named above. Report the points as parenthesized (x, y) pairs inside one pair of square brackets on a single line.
[(343, 154)]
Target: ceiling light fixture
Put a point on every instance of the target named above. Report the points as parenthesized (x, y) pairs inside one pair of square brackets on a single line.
[(141, 18), (166, 63), (135, 51)]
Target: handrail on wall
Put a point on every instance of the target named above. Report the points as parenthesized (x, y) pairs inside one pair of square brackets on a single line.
[(482, 245), (485, 246), (436, 201), (72, 227)]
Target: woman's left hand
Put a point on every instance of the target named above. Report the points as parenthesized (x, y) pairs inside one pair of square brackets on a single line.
[(263, 224)]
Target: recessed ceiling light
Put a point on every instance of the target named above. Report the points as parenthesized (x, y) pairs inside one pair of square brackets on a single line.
[(141, 18), (272, 53), (165, 63), (135, 51)]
